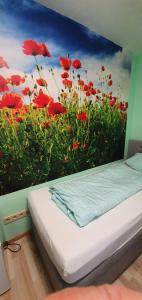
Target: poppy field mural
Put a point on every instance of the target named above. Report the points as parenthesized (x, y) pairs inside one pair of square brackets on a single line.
[(63, 96)]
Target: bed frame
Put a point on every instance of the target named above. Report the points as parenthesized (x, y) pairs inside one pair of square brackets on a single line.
[(110, 269), (107, 272), (134, 146)]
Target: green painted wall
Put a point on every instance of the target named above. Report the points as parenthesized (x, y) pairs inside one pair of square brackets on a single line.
[(134, 122), (17, 201)]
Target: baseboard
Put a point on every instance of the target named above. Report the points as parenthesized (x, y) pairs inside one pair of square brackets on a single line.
[(19, 236)]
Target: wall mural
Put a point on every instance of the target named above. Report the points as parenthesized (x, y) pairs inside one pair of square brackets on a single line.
[(63, 96)]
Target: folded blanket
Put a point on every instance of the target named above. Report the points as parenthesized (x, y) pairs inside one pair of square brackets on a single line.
[(89, 197)]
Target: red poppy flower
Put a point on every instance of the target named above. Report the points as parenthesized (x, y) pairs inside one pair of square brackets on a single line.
[(90, 84), (86, 87), (93, 91), (31, 47), (44, 50), (11, 100), (80, 82), (19, 120), (75, 145), (16, 80), (123, 107), (112, 101), (1, 154), (42, 100), (82, 116), (76, 64), (65, 63), (67, 83), (103, 68), (88, 93), (110, 83), (41, 82), (56, 108), (89, 89), (3, 84), (27, 91), (3, 63), (65, 75), (119, 105)]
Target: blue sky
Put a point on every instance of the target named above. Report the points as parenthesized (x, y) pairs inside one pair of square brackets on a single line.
[(26, 19)]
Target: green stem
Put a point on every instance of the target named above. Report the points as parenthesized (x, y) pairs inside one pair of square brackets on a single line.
[(39, 72), (37, 67), (53, 76), (86, 75)]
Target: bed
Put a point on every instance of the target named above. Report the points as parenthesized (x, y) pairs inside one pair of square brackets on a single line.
[(95, 254)]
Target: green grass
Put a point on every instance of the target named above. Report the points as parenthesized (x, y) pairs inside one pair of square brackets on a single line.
[(32, 153)]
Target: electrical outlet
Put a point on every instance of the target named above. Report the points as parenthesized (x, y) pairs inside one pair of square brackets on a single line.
[(14, 217)]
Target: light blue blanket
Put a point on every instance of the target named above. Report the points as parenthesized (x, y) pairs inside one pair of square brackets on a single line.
[(89, 197)]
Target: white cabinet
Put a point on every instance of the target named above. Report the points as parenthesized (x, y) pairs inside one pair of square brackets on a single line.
[(4, 281)]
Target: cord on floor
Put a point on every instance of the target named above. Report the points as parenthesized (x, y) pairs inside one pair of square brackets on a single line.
[(13, 247)]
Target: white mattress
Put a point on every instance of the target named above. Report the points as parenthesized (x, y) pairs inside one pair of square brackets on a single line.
[(76, 251)]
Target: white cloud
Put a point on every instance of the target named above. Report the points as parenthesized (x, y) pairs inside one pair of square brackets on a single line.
[(120, 76), (91, 33), (54, 82), (11, 50), (54, 48), (114, 65)]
